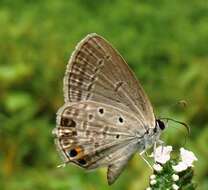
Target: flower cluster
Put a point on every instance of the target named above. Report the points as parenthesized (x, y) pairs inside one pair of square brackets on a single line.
[(172, 173), (187, 159)]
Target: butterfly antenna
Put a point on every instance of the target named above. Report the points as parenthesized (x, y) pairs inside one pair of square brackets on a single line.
[(180, 122)]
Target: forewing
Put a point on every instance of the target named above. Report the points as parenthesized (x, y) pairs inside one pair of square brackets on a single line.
[(97, 72), (89, 133)]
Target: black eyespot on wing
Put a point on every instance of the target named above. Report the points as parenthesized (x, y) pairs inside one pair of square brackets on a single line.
[(117, 136), (72, 123), (120, 119), (155, 129), (90, 116), (67, 122), (101, 110), (74, 133), (72, 153), (64, 121), (82, 161)]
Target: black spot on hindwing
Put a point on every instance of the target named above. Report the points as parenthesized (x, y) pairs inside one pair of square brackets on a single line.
[(67, 122), (72, 153), (82, 161)]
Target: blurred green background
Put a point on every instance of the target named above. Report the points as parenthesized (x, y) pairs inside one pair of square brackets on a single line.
[(164, 42)]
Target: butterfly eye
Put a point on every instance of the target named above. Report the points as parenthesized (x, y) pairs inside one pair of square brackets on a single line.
[(161, 124)]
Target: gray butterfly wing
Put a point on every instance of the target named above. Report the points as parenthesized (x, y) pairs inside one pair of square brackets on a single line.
[(106, 111), (97, 72), (119, 161), (92, 134)]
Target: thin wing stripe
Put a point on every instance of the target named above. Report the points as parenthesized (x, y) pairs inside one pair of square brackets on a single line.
[(130, 100), (90, 54)]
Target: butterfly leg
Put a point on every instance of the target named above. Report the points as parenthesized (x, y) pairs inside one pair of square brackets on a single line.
[(141, 154), (148, 155), (160, 142)]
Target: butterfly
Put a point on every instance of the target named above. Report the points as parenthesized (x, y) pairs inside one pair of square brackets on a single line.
[(107, 117)]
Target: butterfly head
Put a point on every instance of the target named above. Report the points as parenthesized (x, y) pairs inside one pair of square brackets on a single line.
[(160, 126)]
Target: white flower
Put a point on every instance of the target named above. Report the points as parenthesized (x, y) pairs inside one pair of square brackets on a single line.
[(162, 154), (148, 188), (175, 177), (187, 159), (175, 187), (181, 166), (157, 167), (152, 176), (153, 182)]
